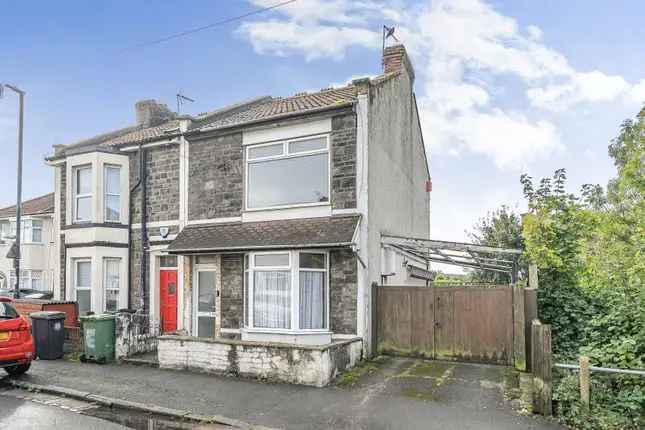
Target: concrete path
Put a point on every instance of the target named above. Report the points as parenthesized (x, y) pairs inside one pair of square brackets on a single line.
[(392, 393)]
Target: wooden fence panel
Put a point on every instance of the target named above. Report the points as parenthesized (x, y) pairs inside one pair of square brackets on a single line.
[(422, 331), (467, 323), (394, 319), (444, 327), (483, 325)]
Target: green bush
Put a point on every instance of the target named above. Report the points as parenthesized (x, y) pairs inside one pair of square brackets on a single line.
[(615, 404)]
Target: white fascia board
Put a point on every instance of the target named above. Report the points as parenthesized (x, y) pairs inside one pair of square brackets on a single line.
[(276, 132)]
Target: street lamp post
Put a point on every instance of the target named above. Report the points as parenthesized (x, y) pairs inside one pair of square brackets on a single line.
[(16, 261)]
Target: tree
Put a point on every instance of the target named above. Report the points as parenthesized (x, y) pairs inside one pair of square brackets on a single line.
[(501, 228)]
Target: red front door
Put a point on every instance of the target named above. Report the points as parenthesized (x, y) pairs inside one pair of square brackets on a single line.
[(168, 293)]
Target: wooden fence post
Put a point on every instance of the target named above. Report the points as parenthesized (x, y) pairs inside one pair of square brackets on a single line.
[(533, 276), (584, 381), (542, 367), (530, 314), (519, 344)]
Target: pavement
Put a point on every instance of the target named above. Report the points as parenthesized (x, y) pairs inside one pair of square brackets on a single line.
[(23, 414), (389, 393)]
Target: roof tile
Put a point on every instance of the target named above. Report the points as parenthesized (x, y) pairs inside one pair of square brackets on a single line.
[(295, 233)]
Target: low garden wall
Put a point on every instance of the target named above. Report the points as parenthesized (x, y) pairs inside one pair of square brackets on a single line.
[(135, 333), (307, 365)]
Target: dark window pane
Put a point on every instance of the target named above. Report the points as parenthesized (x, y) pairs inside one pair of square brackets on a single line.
[(312, 261), (205, 327), (289, 181)]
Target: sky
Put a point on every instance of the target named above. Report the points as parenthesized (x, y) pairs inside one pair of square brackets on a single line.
[(504, 87)]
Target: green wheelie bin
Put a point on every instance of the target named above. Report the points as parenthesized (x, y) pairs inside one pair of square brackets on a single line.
[(98, 338)]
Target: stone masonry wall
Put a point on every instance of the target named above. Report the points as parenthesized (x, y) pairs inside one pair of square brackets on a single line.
[(343, 162), (232, 290), (216, 177), (343, 290), (315, 366), (162, 184), (135, 258)]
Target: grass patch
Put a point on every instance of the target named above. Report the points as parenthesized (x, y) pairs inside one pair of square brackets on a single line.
[(365, 367), (413, 393)]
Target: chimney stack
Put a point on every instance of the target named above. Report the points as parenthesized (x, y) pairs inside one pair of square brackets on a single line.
[(150, 113), (395, 59)]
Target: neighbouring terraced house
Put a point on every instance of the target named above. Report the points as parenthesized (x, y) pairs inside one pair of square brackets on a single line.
[(38, 250), (250, 233)]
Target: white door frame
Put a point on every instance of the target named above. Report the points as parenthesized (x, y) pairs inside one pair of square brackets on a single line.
[(196, 313)]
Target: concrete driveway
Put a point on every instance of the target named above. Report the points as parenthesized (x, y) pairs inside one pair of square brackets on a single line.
[(389, 393)]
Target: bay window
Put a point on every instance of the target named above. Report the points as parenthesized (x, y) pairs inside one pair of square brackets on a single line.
[(111, 283), (83, 285), (288, 291), (112, 197), (293, 172), (83, 194)]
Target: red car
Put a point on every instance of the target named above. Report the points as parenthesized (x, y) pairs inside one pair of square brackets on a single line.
[(16, 344)]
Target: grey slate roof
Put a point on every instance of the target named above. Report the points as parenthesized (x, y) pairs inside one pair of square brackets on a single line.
[(334, 231)]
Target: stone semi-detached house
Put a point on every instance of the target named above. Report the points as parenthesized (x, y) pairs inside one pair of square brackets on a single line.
[(251, 233)]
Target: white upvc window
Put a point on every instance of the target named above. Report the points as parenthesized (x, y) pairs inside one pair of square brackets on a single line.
[(111, 283), (29, 279), (82, 194), (83, 285), (112, 193), (36, 279), (32, 231), (204, 297), (288, 291), (291, 173)]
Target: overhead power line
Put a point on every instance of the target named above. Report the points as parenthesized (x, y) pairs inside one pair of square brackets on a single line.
[(209, 26)]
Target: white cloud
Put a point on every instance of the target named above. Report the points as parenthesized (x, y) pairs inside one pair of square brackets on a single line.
[(285, 38), (457, 46)]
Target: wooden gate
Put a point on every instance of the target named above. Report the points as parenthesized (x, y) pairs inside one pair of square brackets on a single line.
[(454, 323)]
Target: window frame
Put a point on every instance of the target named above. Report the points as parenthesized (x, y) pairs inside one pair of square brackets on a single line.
[(286, 155), (107, 260), (209, 267), (76, 170), (75, 284), (294, 268), (107, 167)]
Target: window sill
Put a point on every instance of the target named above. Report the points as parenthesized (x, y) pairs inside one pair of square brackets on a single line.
[(281, 207), (296, 337)]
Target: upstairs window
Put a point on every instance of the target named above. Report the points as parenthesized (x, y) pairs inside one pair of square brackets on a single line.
[(112, 199), (295, 172), (83, 194), (32, 231)]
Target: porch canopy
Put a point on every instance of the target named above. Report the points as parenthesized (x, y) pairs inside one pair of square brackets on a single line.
[(324, 232), (469, 255)]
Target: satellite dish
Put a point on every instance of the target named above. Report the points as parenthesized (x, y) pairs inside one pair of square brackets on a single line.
[(163, 231)]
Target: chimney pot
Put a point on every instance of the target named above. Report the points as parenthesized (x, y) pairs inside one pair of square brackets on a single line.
[(151, 113)]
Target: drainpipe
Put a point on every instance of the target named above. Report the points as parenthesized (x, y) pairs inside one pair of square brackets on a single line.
[(144, 231), (132, 190)]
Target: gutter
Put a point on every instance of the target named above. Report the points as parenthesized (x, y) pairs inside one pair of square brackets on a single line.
[(261, 247), (144, 231)]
